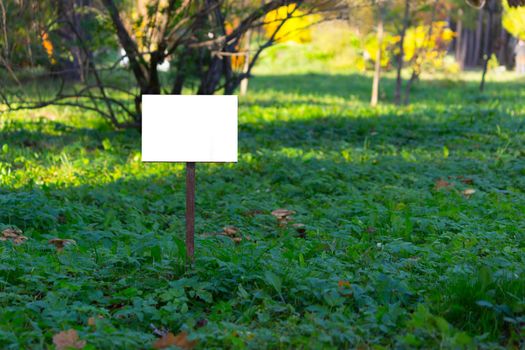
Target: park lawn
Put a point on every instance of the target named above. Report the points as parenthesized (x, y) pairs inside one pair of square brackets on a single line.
[(415, 227)]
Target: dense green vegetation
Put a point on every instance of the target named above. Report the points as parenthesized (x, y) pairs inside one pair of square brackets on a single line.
[(396, 253)]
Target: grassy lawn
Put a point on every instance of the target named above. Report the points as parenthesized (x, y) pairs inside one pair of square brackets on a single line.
[(415, 227)]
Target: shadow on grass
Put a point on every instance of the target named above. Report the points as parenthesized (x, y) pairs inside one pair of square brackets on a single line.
[(53, 136), (472, 126)]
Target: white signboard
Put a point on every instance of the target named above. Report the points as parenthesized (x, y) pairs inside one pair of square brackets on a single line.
[(188, 128)]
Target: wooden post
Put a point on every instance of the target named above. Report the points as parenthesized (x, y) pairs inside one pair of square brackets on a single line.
[(190, 212)]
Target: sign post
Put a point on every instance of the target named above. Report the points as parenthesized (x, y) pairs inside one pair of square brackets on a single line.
[(190, 211), (189, 129)]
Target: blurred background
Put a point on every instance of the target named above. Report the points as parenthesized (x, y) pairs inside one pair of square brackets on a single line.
[(102, 55)]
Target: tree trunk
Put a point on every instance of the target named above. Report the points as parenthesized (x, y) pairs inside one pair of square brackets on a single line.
[(219, 65), (488, 52), (408, 87), (466, 41), (477, 45), (503, 49), (212, 77), (520, 58), (246, 66), (401, 55), (459, 40), (4, 30), (377, 71), (136, 61), (180, 78)]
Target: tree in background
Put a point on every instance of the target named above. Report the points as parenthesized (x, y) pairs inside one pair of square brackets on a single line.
[(492, 7), (22, 35), (400, 50), (425, 48), (514, 23), (380, 14), (422, 40), (198, 38)]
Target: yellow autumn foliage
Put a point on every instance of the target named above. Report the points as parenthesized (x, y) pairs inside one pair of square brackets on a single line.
[(429, 44), (421, 45), (514, 20), (48, 47), (237, 62), (371, 45), (296, 28)]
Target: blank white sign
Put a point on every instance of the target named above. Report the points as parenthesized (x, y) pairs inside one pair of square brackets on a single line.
[(187, 128)]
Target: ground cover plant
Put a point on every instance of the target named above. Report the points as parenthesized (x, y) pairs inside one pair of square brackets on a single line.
[(413, 231)]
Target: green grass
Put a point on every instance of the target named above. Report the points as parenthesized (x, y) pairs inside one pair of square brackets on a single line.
[(388, 260)]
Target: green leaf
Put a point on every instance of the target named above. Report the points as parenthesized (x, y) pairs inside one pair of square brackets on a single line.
[(273, 280)]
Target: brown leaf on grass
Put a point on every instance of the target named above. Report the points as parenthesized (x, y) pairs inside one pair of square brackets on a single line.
[(282, 213), (253, 212), (60, 243), (230, 231), (441, 184), (468, 192), (283, 216), (92, 320), (14, 235), (344, 288), (180, 340), (116, 306), (371, 229), (466, 180), (342, 284), (69, 339)]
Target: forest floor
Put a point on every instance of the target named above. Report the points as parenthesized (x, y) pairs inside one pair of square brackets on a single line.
[(414, 231)]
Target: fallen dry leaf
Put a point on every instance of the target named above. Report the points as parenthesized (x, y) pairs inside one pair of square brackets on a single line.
[(282, 213), (344, 288), (14, 235), (66, 340), (342, 283), (466, 180), (180, 340), (440, 184), (158, 332), (468, 192), (283, 216), (230, 231), (253, 212), (92, 320), (60, 243)]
